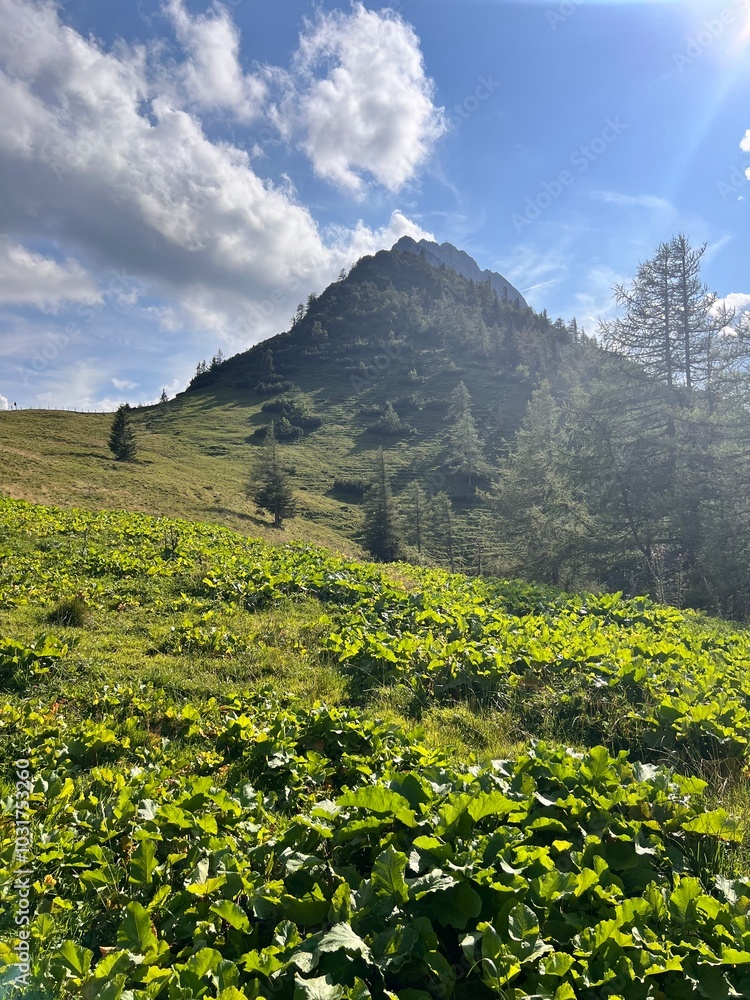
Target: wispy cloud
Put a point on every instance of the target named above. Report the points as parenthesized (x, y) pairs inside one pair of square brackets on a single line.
[(648, 201), (123, 384), (31, 279)]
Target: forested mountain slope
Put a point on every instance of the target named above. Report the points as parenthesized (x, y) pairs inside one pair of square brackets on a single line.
[(497, 440)]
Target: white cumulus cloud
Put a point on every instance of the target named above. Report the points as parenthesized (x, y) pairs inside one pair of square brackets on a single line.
[(212, 76), (371, 113), (123, 383), (32, 279), (4, 404), (98, 155), (738, 302)]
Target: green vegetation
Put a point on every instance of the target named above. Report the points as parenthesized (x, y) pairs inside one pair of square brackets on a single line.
[(122, 440), (257, 771), (538, 453), (270, 486), (381, 533)]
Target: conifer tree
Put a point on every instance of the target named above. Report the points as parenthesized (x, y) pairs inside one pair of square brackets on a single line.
[(417, 512), (466, 446), (270, 484), (390, 422), (444, 526), (668, 317), (122, 440), (542, 519), (647, 329), (381, 533)]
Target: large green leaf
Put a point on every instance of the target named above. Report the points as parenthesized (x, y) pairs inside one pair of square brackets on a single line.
[(717, 823), (682, 901), (135, 933), (74, 958), (453, 907), (388, 875), (380, 800), (342, 938), (493, 804), (321, 988), (142, 863), (523, 930), (234, 915)]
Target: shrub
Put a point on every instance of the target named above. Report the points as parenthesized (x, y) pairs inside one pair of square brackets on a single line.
[(390, 424), (294, 414), (310, 422), (70, 611), (273, 388), (352, 487), (279, 405)]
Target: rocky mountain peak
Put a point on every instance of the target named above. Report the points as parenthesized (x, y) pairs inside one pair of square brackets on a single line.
[(459, 261)]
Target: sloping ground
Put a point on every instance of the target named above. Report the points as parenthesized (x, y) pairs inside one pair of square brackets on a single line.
[(193, 462), (216, 811), (394, 331)]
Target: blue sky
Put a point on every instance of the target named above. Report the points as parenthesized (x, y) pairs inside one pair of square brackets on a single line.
[(176, 176)]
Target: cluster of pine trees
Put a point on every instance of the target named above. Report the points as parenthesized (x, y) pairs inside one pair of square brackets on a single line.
[(631, 468)]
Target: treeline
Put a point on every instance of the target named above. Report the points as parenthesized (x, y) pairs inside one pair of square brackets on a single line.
[(631, 468)]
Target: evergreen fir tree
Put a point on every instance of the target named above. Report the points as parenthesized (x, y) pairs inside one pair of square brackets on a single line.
[(122, 440), (542, 518), (390, 423), (466, 446), (270, 485), (381, 534), (460, 402)]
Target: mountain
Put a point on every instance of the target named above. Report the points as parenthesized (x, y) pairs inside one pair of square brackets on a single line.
[(437, 254), (396, 330), (440, 373)]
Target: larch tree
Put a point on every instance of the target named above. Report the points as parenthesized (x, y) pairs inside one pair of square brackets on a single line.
[(543, 523), (443, 526), (669, 317), (418, 510), (646, 330)]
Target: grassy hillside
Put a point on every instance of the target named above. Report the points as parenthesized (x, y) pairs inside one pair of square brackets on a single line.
[(193, 462), (395, 330), (256, 770)]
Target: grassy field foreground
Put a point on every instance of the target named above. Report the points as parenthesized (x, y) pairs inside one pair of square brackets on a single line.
[(254, 771)]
